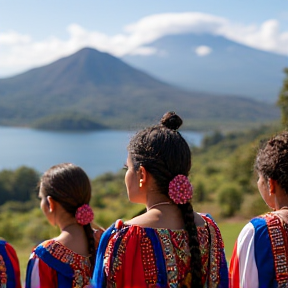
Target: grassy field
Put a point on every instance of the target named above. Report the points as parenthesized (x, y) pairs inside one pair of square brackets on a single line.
[(229, 230)]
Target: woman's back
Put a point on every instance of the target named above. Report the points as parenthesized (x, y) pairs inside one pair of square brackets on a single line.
[(146, 257), (260, 255), (52, 264)]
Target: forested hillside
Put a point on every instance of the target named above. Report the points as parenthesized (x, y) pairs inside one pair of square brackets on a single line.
[(92, 90)]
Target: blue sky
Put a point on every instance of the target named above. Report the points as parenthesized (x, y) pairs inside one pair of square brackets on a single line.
[(34, 33)]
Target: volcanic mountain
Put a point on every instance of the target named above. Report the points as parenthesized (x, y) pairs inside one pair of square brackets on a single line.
[(102, 87)]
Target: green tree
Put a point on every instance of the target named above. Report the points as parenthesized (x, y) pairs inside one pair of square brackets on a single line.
[(19, 185), (25, 183), (230, 198), (283, 100)]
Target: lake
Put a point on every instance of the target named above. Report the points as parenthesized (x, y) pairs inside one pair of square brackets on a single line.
[(96, 152)]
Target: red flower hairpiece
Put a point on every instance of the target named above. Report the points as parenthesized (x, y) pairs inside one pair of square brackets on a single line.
[(180, 189), (84, 215)]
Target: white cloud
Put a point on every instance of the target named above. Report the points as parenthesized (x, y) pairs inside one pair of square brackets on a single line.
[(152, 27), (144, 51), (13, 38), (21, 52), (203, 50), (265, 37)]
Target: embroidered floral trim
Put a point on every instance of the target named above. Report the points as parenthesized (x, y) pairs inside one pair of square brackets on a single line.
[(216, 253), (84, 215), (180, 189), (278, 238)]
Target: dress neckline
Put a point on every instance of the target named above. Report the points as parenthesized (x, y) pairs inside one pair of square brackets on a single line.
[(53, 241), (161, 228)]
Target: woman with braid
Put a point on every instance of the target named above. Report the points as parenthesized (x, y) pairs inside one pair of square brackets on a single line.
[(169, 245), (69, 259), (260, 256)]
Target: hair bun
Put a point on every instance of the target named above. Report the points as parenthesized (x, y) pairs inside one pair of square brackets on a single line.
[(171, 120)]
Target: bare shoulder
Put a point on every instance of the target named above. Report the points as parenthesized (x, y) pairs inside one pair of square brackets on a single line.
[(141, 220), (165, 218)]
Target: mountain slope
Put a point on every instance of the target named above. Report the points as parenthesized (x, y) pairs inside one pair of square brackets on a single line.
[(101, 86), (230, 68)]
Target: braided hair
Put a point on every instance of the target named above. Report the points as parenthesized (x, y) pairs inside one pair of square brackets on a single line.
[(70, 186), (272, 160), (164, 153)]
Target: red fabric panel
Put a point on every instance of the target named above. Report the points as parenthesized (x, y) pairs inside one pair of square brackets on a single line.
[(132, 272), (15, 263), (47, 275), (234, 269)]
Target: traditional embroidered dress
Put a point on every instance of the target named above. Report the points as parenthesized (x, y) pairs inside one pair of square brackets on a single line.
[(260, 255), (52, 264), (133, 256), (9, 266)]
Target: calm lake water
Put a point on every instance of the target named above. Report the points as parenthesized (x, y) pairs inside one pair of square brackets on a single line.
[(96, 152)]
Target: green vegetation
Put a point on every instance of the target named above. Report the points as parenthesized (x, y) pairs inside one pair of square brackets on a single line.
[(19, 185), (68, 122), (230, 231), (283, 100)]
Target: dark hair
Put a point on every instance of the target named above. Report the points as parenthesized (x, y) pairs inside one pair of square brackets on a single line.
[(272, 160), (164, 153), (69, 185)]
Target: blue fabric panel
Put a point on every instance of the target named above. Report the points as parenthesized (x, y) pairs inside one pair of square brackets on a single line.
[(64, 282), (29, 272), (263, 254), (63, 268), (98, 279), (224, 282), (160, 260), (9, 267)]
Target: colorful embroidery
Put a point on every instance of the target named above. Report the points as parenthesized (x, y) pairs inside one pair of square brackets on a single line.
[(175, 252), (203, 238), (216, 248), (116, 261), (80, 264), (148, 259), (173, 267), (3, 275), (278, 238)]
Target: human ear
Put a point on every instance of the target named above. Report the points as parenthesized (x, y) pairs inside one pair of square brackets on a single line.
[(272, 186), (51, 203), (143, 175)]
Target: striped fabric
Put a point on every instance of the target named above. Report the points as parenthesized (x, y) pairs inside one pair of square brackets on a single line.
[(259, 258)]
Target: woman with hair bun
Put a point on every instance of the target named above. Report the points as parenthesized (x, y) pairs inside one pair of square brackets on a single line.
[(169, 245), (260, 255), (67, 260)]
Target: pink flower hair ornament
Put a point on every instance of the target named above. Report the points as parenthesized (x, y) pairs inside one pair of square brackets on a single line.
[(84, 215), (180, 189)]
